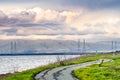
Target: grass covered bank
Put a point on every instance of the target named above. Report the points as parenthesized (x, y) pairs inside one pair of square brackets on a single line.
[(108, 71), (29, 74)]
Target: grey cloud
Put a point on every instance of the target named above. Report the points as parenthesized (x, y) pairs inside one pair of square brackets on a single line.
[(89, 31), (93, 4), (11, 30), (90, 4), (25, 16), (3, 18), (100, 24), (43, 26), (21, 35), (74, 32), (27, 19), (22, 17), (1, 25), (88, 24), (37, 24)]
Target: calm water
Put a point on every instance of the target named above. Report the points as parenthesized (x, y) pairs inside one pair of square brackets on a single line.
[(10, 64)]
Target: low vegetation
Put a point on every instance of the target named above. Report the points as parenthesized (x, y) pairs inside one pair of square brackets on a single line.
[(107, 71), (29, 74)]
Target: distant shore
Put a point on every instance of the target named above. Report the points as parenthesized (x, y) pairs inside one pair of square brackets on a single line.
[(20, 54)]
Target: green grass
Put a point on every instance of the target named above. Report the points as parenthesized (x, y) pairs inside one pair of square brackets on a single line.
[(29, 74), (108, 71)]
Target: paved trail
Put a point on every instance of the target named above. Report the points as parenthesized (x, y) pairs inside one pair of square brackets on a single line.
[(65, 72)]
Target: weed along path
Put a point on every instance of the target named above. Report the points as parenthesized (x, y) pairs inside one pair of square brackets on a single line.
[(65, 72)]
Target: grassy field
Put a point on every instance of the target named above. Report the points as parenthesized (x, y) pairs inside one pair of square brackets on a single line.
[(108, 71), (29, 74)]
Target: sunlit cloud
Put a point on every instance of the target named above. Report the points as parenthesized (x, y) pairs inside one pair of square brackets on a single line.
[(40, 23)]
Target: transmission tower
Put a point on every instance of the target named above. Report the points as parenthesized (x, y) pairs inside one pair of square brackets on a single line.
[(79, 45), (84, 46), (13, 47)]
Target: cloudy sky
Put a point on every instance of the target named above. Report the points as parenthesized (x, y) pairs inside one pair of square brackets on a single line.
[(60, 19)]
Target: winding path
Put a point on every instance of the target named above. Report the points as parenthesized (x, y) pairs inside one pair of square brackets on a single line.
[(65, 72)]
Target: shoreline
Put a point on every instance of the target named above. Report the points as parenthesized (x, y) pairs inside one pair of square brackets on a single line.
[(5, 75), (66, 60), (10, 64)]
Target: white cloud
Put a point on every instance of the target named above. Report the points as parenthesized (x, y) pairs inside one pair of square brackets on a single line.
[(38, 23)]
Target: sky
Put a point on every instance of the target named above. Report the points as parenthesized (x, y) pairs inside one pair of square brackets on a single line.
[(60, 19)]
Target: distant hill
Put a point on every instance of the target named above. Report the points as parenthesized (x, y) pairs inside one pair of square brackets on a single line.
[(46, 46)]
